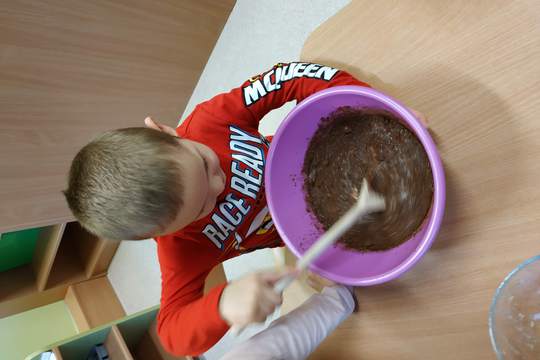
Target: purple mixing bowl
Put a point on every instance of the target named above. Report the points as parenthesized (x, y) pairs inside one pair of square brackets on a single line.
[(285, 194)]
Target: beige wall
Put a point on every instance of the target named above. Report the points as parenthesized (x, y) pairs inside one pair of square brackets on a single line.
[(71, 69)]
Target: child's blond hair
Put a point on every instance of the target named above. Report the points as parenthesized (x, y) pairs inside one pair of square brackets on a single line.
[(126, 184)]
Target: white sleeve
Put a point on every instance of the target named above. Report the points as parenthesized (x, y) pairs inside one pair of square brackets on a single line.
[(295, 335)]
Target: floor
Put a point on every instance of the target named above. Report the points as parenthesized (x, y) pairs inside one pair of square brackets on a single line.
[(257, 35)]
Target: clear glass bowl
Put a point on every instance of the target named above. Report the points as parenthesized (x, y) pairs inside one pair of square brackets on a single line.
[(514, 316)]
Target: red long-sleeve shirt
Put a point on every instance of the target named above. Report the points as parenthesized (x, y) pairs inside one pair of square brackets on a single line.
[(189, 322)]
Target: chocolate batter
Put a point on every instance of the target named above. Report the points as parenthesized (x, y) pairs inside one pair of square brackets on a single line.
[(352, 144)]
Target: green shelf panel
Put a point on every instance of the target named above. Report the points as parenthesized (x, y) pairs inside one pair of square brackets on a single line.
[(17, 248), (80, 348), (134, 328)]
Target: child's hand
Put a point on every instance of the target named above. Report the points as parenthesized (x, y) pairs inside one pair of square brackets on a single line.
[(317, 282), (250, 299)]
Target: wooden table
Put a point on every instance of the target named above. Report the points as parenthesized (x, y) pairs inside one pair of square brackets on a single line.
[(473, 67), (70, 70)]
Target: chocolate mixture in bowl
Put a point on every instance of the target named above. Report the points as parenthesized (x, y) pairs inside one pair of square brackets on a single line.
[(352, 144)]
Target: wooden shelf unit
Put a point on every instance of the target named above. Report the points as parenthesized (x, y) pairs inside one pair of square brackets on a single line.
[(81, 256), (132, 338), (93, 303), (65, 254), (116, 345), (45, 253), (57, 353)]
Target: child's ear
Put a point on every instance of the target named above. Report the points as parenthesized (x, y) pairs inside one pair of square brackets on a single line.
[(151, 124)]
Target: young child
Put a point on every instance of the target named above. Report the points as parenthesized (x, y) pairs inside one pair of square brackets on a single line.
[(199, 191)]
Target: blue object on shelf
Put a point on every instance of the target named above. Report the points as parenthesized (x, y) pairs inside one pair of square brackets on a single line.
[(98, 352)]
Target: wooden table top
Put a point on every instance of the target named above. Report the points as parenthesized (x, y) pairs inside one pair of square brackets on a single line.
[(70, 70), (473, 67)]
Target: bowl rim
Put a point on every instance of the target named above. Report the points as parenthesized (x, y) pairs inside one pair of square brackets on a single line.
[(439, 184), (495, 299)]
